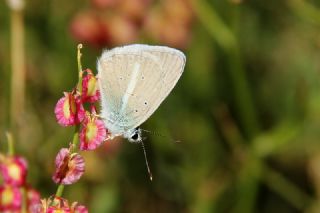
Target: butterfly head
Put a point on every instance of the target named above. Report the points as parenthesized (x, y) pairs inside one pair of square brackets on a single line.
[(134, 135)]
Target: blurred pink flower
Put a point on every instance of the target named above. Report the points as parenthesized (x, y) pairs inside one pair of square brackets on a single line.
[(10, 198), (92, 134), (55, 209), (33, 198), (89, 28), (69, 110), (135, 10), (60, 205), (13, 170), (78, 208), (122, 30), (69, 167), (178, 11), (167, 21), (90, 90), (104, 4), (168, 30)]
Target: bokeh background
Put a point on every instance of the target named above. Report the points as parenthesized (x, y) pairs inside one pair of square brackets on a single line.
[(247, 108)]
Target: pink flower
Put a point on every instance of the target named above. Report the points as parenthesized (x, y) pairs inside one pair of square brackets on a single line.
[(54, 209), (14, 170), (88, 27), (10, 198), (78, 208), (61, 205), (104, 4), (69, 110), (90, 91), (33, 199), (92, 134), (69, 167)]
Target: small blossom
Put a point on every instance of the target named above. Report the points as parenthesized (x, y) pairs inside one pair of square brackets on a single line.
[(122, 30), (61, 205), (13, 170), (54, 209), (69, 110), (10, 198), (33, 199), (69, 167), (90, 91), (89, 28), (92, 134), (104, 4), (78, 208)]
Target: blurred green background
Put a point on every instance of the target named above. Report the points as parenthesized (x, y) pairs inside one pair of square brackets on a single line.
[(247, 108)]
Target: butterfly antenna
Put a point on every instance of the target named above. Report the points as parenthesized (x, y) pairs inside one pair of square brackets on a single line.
[(146, 159), (160, 135)]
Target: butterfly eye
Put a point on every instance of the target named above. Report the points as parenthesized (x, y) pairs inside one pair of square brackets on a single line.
[(135, 136)]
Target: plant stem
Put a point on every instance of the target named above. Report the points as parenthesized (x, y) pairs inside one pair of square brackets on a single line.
[(285, 188), (75, 142), (17, 99), (75, 139), (79, 67), (24, 200), (10, 144), (226, 39), (60, 190)]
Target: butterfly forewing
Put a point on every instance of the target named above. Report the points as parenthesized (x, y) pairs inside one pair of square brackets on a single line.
[(134, 80)]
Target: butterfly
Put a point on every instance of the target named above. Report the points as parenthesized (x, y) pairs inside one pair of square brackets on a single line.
[(134, 80)]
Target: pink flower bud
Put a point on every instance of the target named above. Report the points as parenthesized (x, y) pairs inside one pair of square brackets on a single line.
[(92, 134), (33, 198), (90, 91), (78, 208), (69, 167), (69, 110), (61, 205)]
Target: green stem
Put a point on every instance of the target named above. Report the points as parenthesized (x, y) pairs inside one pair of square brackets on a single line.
[(24, 200), (17, 93), (75, 142), (214, 24), (225, 37), (60, 190), (10, 144), (285, 188), (79, 67), (75, 139)]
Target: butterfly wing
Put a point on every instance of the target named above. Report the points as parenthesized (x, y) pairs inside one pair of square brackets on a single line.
[(134, 80)]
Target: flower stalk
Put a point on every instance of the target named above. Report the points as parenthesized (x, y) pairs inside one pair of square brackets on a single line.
[(79, 67), (75, 139), (17, 99), (60, 190), (89, 131), (10, 144)]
